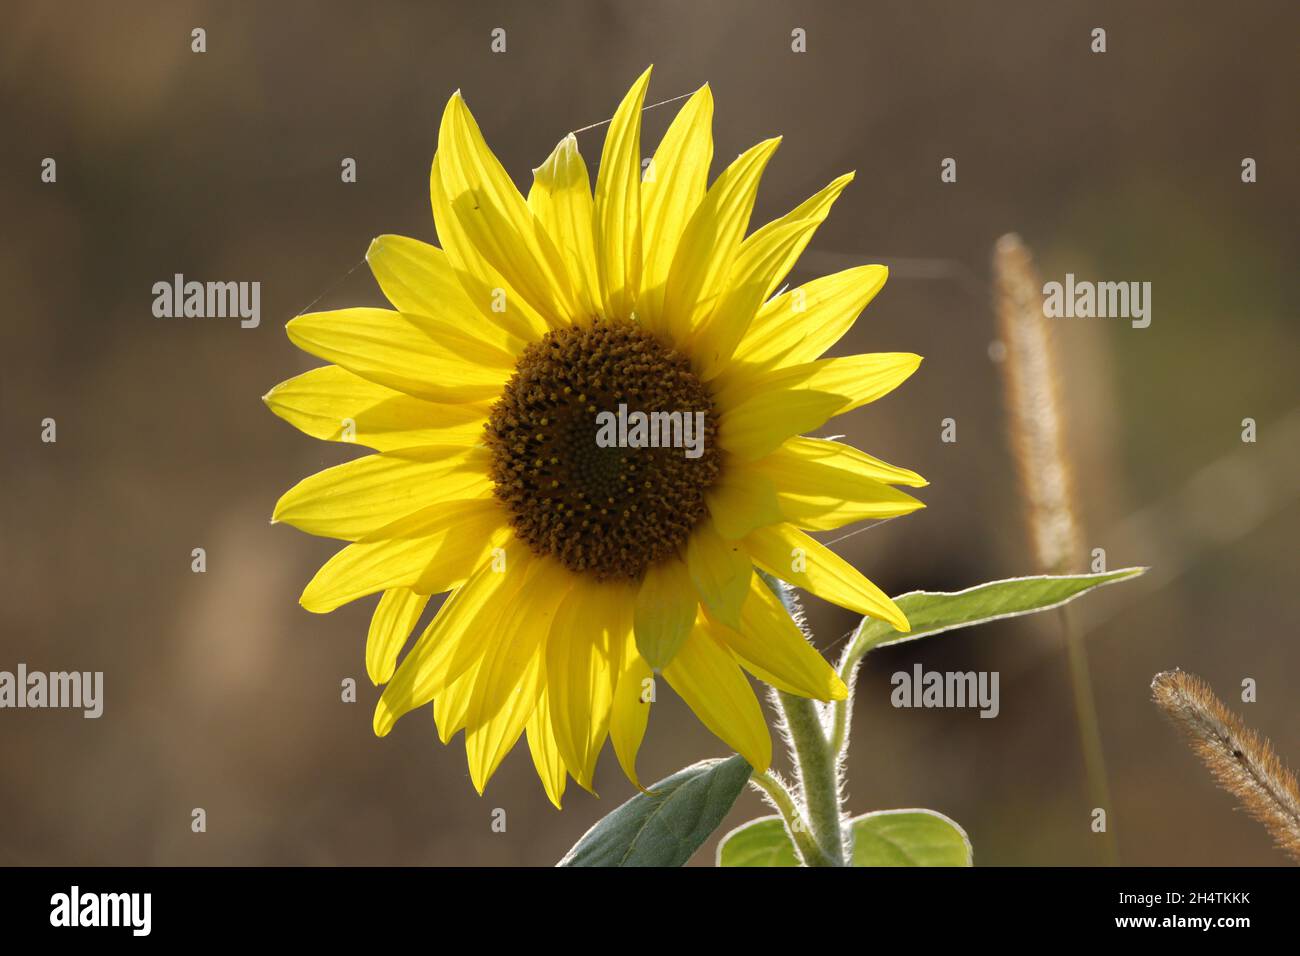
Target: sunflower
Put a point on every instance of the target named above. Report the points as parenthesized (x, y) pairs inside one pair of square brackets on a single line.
[(580, 570)]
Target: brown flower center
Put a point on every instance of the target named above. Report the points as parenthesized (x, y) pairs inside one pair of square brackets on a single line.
[(573, 457)]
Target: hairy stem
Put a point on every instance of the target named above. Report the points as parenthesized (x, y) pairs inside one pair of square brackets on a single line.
[(795, 825), (818, 781), (815, 762), (842, 715)]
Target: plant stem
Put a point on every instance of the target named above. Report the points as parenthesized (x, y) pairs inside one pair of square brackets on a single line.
[(1085, 713), (795, 825), (816, 764), (843, 709), (840, 727), (818, 780)]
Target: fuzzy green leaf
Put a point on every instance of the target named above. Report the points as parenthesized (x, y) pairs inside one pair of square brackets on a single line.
[(667, 825), (761, 842), (909, 838), (933, 612)]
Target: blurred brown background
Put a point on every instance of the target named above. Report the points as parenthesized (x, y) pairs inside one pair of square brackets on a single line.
[(222, 693)]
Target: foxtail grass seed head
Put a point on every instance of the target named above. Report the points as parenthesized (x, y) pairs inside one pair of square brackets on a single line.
[(1036, 422), (1243, 762)]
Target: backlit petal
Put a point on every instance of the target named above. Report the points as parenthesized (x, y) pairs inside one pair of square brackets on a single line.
[(857, 379), (741, 500), (509, 679), (419, 279), (430, 552), (391, 625), (496, 219), (707, 677), (391, 349), (812, 212), (665, 611), (711, 240), (633, 696), (332, 404), (448, 648), (771, 647), (794, 557), (360, 497), (485, 287), (671, 190), (802, 323), (618, 206), (720, 571), (583, 653), (561, 200), (823, 485), (545, 751), (757, 424)]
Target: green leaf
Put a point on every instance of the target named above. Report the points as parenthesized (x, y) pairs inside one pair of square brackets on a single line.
[(909, 838), (933, 612), (667, 825), (761, 842)]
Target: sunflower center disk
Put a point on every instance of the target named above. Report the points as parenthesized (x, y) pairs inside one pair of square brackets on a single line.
[(602, 448)]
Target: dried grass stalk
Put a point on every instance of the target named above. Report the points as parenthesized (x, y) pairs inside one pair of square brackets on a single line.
[(1037, 427), (1241, 760)]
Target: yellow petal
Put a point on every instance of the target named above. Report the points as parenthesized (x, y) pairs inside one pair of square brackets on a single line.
[(763, 261), (720, 571), (545, 751), (833, 454), (802, 323), (390, 349), (772, 648), (582, 670), (418, 279), (332, 404), (360, 497), (796, 558), (451, 706), (450, 644), (618, 205), (485, 287), (488, 741), (365, 568), (862, 378), (756, 425), (671, 191), (711, 240), (665, 611), (833, 489), (391, 625), (496, 219), (479, 529), (561, 200), (741, 500), (707, 677), (510, 676), (748, 285), (437, 546), (812, 212), (633, 696), (857, 379)]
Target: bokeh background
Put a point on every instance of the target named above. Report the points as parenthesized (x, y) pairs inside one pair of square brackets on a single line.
[(222, 693)]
